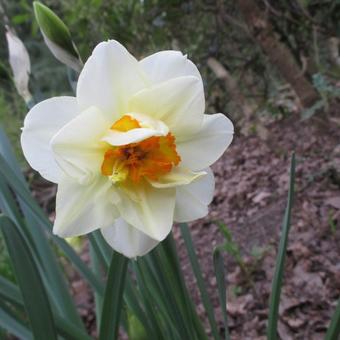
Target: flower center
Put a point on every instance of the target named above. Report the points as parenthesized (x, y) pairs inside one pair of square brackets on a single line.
[(150, 158)]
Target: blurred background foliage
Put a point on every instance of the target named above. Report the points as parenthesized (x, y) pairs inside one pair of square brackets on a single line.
[(217, 29), (226, 39)]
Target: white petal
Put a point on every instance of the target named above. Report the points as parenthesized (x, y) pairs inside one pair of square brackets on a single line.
[(77, 146), (109, 77), (81, 209), (165, 65), (208, 145), (177, 176), (128, 240), (150, 123), (179, 103), (42, 122), (192, 200), (148, 209), (132, 136)]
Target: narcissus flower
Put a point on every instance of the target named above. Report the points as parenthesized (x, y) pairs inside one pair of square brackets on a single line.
[(131, 152)]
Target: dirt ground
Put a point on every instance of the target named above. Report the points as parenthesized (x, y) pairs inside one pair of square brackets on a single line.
[(251, 193)]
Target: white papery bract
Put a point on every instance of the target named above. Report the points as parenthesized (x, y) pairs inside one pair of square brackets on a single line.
[(20, 64), (131, 152)]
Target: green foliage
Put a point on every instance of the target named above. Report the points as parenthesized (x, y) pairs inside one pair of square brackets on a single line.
[(327, 91), (36, 302), (280, 260), (5, 265), (230, 246), (54, 28), (12, 110)]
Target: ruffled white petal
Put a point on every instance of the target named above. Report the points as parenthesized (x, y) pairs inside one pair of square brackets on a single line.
[(78, 148), (177, 176), (148, 209), (42, 122), (166, 65), (128, 240), (81, 209), (179, 103), (117, 138), (148, 127), (150, 123), (192, 200), (109, 77), (208, 145)]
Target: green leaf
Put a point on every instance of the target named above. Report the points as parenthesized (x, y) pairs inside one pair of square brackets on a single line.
[(333, 331), (199, 279), (280, 260), (35, 300), (97, 268), (222, 288), (7, 152), (100, 246), (9, 292), (159, 314), (57, 36), (113, 298), (11, 324), (133, 299), (164, 265)]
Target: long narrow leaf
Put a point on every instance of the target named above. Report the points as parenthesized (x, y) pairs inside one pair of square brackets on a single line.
[(157, 308), (36, 301), (222, 288), (10, 293), (199, 278), (280, 260), (98, 271), (169, 260), (10, 323), (333, 331), (132, 300), (7, 152), (113, 298)]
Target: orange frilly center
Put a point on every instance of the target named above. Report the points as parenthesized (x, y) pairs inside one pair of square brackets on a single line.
[(151, 158)]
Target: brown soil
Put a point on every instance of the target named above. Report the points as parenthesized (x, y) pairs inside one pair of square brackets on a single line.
[(251, 190)]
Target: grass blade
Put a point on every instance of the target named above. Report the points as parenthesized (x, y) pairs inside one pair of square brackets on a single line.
[(333, 330), (280, 260), (113, 298), (35, 300), (222, 288), (199, 278)]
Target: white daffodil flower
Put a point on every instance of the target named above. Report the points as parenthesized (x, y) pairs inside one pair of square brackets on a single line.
[(131, 152)]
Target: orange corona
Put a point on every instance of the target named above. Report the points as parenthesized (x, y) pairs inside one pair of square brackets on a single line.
[(150, 158)]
